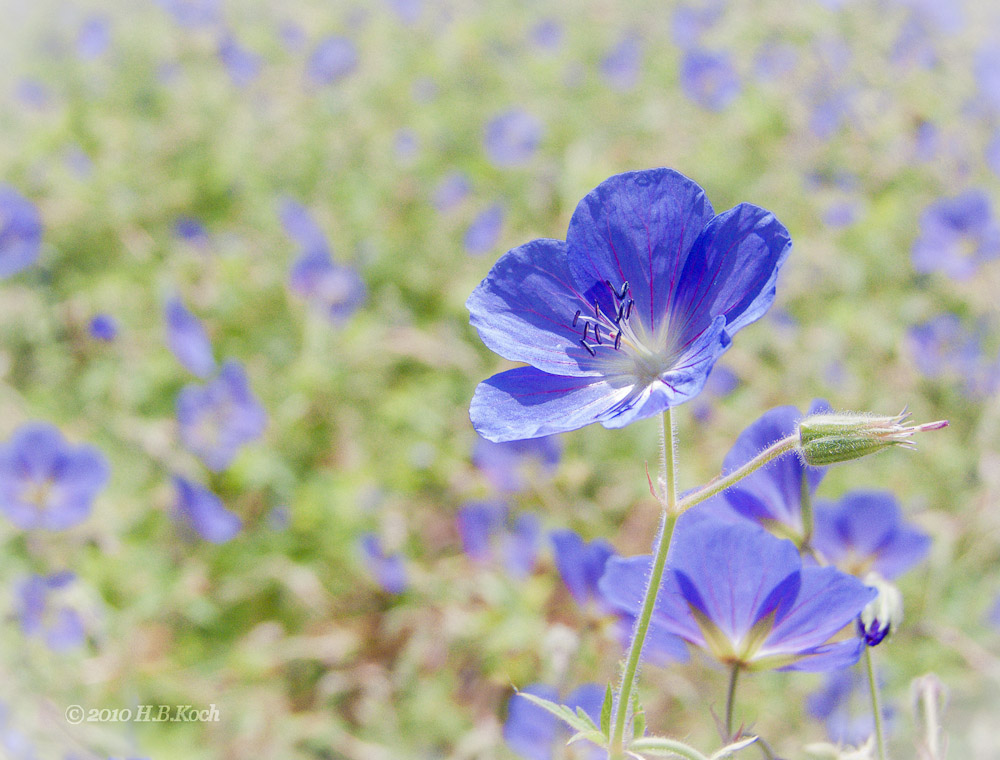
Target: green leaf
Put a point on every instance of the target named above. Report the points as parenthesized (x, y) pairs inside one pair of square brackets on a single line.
[(582, 714), (660, 746), (609, 700), (560, 711), (730, 749), (594, 736)]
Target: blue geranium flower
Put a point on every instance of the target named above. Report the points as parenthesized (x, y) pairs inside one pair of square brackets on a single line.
[(772, 495), (626, 317), (103, 327), (709, 79), (387, 569), (484, 231), (622, 65), (489, 535), (580, 563), (506, 465), (47, 483), (944, 347), (844, 706), (865, 531), (743, 595), (332, 60), (94, 37), (20, 232), (532, 732), (242, 65), (203, 512), (187, 339), (218, 418), (512, 137), (44, 616), (957, 235)]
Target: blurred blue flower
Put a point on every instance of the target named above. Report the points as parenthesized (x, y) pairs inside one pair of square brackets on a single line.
[(709, 79), (993, 153), (336, 291), (332, 60), (408, 11), (914, 46), (187, 339), (301, 227), (943, 348), (293, 36), (547, 34), (47, 483), (742, 595), (202, 511), (774, 59), (451, 191), (387, 570), (216, 419), (580, 563), (41, 615), (506, 464), (689, 22), (626, 317), (242, 65), (489, 536), (192, 13), (94, 37), (511, 138), (484, 231), (957, 235), (77, 161), (865, 531), (720, 383), (20, 232), (406, 144), (33, 93), (987, 71), (190, 230), (103, 327), (533, 733), (622, 65), (833, 705), (772, 495), (993, 615)]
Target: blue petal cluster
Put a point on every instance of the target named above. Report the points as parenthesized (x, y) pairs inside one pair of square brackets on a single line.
[(490, 535), (203, 512), (957, 235), (41, 615), (627, 316), (187, 339)]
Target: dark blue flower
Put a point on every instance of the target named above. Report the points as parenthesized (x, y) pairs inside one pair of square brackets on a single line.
[(218, 418), (957, 235), (626, 317), (742, 595), (484, 231), (772, 495), (622, 65), (506, 464), (387, 569), (709, 79), (42, 615), (94, 37), (865, 531), (47, 483), (332, 60), (451, 191), (511, 138), (187, 339), (580, 563), (532, 732), (103, 327), (190, 230), (20, 232), (242, 65), (489, 536), (203, 512)]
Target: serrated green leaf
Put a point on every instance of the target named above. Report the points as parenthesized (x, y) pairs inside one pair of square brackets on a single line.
[(731, 749), (609, 700), (661, 746), (560, 711), (582, 714), (594, 736)]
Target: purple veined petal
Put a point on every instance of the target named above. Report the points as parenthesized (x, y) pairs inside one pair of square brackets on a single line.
[(525, 308), (637, 227), (204, 513), (530, 730), (732, 270), (528, 403), (828, 600), (187, 339), (580, 564), (827, 657)]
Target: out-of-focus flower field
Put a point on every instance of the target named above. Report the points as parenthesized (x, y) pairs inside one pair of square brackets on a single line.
[(237, 471)]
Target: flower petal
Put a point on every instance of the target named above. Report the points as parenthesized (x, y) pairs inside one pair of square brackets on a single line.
[(637, 227), (527, 403), (732, 270), (828, 657), (525, 308)]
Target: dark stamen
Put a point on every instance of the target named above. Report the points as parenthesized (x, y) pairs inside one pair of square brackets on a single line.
[(628, 309), (621, 313), (621, 296), (584, 344), (618, 340), (586, 326), (597, 334), (597, 311), (576, 318)]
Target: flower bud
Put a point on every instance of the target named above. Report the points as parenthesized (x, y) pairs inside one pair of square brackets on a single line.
[(838, 437), (883, 614)]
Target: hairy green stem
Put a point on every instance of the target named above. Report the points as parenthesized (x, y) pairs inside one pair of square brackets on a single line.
[(668, 520), (876, 708), (721, 483), (731, 700)]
